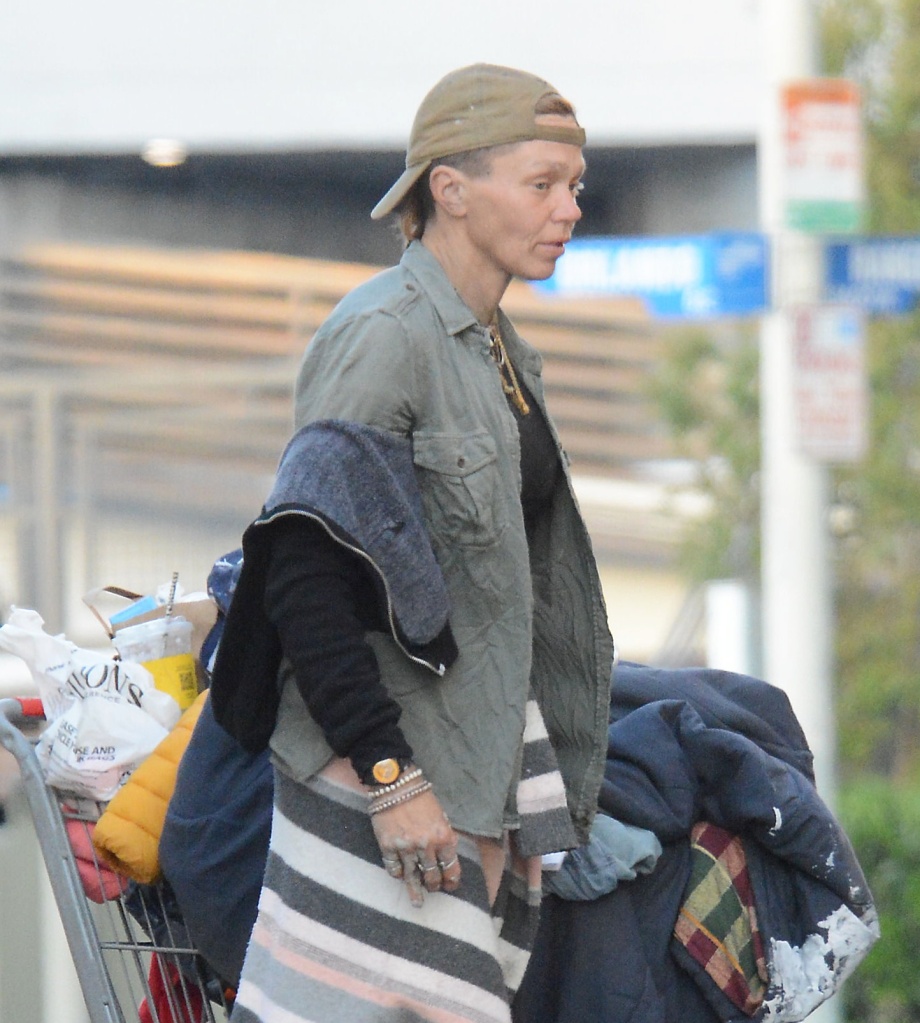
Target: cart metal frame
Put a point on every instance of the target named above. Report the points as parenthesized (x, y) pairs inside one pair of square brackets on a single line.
[(112, 943)]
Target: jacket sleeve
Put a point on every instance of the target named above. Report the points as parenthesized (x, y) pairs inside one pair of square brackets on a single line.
[(322, 602), (127, 835)]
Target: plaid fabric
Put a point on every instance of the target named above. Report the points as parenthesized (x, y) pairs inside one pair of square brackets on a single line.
[(717, 923)]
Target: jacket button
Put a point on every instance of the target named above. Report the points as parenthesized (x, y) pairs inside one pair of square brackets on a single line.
[(461, 462)]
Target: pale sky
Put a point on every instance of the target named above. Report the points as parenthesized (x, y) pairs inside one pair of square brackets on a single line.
[(105, 75)]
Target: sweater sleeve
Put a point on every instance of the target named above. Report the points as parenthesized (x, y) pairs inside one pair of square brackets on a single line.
[(320, 599)]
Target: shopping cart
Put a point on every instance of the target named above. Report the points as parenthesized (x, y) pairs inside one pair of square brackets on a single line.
[(132, 955)]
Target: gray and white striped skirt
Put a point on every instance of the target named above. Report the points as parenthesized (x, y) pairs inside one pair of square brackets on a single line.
[(337, 940)]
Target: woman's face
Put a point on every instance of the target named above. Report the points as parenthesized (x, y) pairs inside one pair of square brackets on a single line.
[(522, 212)]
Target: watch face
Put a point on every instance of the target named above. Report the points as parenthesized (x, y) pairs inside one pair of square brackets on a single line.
[(386, 771)]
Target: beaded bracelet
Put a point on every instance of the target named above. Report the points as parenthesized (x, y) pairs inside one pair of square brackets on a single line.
[(403, 779), (403, 797)]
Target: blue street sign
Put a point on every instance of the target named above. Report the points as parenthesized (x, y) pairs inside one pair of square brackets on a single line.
[(880, 274), (685, 277)]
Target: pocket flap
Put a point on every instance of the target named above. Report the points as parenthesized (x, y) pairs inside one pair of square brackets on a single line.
[(453, 454)]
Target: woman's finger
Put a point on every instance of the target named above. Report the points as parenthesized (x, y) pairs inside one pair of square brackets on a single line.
[(451, 871), (430, 870), (393, 865), (411, 876)]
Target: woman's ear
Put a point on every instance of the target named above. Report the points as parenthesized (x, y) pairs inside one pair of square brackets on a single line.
[(448, 189)]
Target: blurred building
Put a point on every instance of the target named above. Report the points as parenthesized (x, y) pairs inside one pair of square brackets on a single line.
[(204, 127), (293, 124), (145, 373)]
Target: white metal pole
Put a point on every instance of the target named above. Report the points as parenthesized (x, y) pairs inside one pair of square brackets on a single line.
[(729, 626), (797, 615), (797, 599), (795, 567)]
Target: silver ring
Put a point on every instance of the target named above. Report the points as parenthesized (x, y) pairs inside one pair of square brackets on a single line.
[(427, 870), (447, 866), (389, 861)]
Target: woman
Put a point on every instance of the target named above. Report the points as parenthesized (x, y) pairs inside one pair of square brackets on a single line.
[(423, 765)]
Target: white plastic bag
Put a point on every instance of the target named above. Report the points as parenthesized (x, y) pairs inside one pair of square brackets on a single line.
[(104, 716)]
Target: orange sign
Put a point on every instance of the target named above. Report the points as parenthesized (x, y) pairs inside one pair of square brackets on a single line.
[(823, 146)]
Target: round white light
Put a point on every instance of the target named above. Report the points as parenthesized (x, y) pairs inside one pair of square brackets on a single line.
[(164, 152)]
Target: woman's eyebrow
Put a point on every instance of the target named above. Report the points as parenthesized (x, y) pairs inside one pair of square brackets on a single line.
[(558, 166)]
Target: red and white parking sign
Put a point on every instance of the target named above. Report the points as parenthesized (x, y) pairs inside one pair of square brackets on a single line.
[(823, 155), (830, 387)]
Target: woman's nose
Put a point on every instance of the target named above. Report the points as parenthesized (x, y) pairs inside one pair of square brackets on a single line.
[(567, 210)]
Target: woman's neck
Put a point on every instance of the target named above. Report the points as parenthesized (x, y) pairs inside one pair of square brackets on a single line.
[(479, 283)]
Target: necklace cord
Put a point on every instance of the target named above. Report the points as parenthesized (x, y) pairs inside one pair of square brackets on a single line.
[(508, 377)]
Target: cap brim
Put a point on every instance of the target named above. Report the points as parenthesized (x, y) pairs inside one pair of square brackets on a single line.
[(399, 191)]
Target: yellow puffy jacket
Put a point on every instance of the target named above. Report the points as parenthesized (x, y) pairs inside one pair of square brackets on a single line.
[(127, 835)]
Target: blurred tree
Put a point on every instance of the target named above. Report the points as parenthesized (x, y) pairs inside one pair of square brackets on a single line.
[(707, 390), (708, 393), (877, 43), (883, 821)]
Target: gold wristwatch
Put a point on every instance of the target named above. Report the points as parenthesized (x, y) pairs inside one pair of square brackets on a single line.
[(387, 771)]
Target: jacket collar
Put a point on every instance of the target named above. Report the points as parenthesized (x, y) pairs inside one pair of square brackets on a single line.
[(455, 314)]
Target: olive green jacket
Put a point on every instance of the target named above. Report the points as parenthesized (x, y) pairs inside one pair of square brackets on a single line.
[(403, 353)]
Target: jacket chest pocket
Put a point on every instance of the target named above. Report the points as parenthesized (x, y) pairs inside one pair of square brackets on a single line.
[(460, 486)]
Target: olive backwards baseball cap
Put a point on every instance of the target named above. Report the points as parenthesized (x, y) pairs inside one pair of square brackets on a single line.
[(472, 108)]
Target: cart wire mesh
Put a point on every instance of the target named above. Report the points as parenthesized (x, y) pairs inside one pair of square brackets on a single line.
[(132, 953)]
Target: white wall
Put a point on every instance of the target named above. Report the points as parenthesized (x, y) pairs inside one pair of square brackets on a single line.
[(105, 76)]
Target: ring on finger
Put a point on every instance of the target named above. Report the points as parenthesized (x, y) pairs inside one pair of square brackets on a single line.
[(427, 868), (448, 865)]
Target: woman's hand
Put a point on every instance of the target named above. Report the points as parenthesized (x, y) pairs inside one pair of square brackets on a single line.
[(419, 845)]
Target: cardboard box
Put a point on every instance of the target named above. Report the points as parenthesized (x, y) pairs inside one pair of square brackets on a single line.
[(201, 613)]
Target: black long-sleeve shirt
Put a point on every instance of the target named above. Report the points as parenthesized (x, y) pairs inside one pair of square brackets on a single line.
[(321, 599)]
